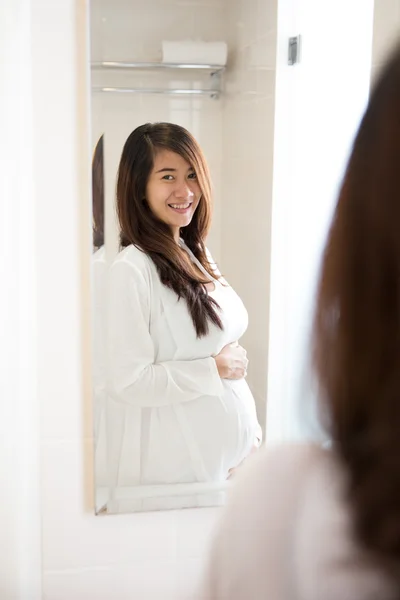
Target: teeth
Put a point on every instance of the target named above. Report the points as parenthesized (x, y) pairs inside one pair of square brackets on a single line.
[(180, 205)]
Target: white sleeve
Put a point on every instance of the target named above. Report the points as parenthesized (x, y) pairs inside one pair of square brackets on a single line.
[(134, 376)]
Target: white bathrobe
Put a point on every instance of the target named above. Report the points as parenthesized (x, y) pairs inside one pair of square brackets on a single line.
[(170, 417)]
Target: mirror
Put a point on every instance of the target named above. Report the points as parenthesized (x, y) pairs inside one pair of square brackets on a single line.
[(173, 418)]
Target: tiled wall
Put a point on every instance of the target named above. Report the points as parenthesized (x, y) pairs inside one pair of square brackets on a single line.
[(386, 31), (248, 136)]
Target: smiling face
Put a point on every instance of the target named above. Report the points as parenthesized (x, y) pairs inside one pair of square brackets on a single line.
[(173, 192)]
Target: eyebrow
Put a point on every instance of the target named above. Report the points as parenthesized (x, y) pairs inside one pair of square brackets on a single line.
[(171, 169)]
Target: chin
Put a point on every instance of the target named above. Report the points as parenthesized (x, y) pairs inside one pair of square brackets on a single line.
[(184, 222)]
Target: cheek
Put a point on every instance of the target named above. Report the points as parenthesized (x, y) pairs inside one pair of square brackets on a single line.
[(196, 191), (155, 197)]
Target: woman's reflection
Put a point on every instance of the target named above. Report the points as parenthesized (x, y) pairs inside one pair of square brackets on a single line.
[(179, 407)]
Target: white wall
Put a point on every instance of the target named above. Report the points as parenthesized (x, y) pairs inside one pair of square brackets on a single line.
[(386, 31), (248, 133), (20, 575), (318, 107)]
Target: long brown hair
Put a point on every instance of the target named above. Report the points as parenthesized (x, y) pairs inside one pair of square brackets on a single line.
[(140, 227), (357, 323), (98, 193)]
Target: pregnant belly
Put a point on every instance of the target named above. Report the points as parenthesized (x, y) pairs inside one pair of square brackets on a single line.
[(203, 439), (239, 398), (224, 429)]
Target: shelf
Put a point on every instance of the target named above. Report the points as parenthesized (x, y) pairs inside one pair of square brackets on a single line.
[(215, 70), (169, 92), (156, 66)]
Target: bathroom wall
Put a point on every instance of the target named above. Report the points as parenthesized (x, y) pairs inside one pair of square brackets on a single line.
[(20, 565), (248, 137), (386, 31)]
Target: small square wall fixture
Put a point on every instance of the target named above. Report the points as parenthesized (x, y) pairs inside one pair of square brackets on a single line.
[(294, 50)]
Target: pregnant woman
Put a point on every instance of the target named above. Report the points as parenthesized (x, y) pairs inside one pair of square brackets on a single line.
[(179, 407)]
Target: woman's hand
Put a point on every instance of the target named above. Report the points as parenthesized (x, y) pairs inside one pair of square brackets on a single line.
[(232, 362)]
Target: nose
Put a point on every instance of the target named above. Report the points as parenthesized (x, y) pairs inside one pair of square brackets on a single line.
[(183, 191)]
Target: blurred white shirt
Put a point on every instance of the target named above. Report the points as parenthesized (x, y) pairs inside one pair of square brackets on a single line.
[(286, 534)]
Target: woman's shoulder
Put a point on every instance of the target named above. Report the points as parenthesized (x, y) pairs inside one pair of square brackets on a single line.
[(249, 552), (291, 455), (280, 465), (270, 480), (133, 256), (279, 474), (288, 519)]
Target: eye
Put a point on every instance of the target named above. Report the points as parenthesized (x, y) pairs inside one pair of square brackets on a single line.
[(168, 177), (192, 175)]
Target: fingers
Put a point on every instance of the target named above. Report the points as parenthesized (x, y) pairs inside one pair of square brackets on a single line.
[(239, 373), (246, 364)]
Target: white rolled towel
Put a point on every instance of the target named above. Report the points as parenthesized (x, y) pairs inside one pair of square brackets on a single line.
[(196, 53)]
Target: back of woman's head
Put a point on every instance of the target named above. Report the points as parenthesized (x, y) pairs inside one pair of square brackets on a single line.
[(357, 323)]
